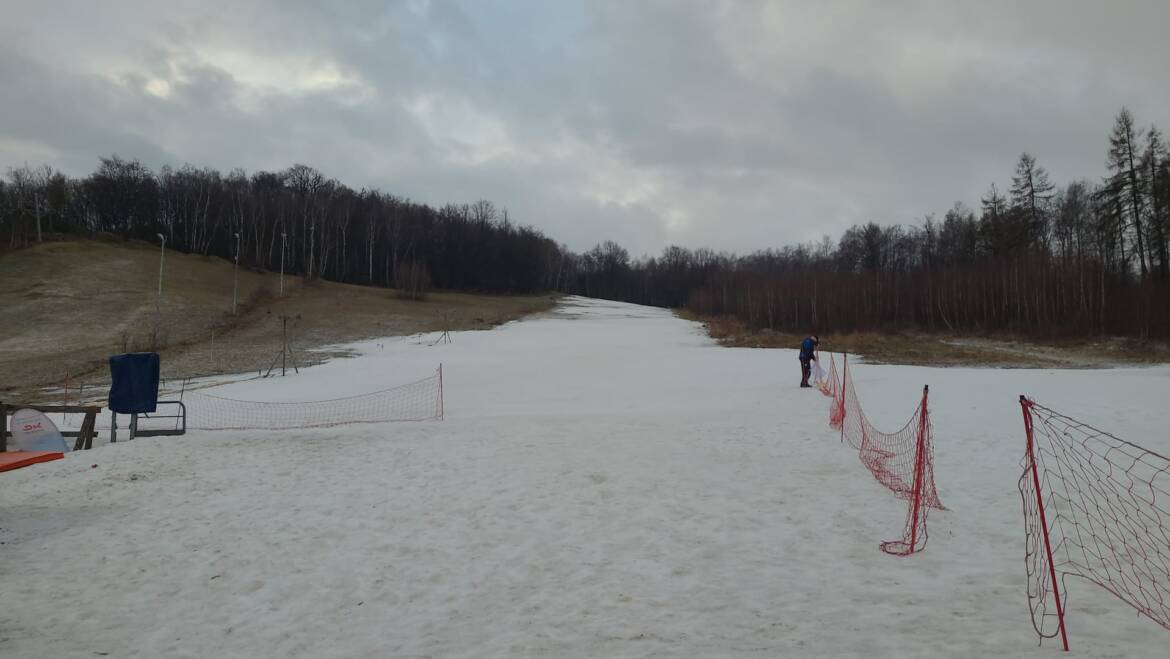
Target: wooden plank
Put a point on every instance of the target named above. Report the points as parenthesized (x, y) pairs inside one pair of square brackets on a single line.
[(57, 409), (81, 435), (85, 435), (91, 421)]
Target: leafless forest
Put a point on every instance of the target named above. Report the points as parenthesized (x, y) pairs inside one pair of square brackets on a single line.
[(1086, 258)]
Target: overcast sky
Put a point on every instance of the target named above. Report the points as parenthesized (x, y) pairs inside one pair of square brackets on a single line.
[(736, 125)]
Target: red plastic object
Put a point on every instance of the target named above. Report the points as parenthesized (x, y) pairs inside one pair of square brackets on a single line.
[(10, 460)]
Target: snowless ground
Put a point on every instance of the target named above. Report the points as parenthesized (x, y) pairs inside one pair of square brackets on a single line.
[(607, 483)]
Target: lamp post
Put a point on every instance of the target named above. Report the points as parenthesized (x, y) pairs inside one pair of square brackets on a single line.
[(312, 240), (283, 235), (162, 254), (236, 274)]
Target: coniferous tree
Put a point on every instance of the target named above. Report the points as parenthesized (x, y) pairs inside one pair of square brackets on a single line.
[(1154, 158), (1031, 196), (1124, 184)]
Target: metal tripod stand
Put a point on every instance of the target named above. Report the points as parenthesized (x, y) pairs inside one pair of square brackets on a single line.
[(286, 354)]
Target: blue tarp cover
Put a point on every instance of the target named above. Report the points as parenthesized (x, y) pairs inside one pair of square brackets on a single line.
[(134, 387)]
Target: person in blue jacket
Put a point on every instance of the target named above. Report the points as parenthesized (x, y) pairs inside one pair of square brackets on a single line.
[(808, 354)]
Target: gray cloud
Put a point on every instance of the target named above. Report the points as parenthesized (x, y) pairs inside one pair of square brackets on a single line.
[(732, 124)]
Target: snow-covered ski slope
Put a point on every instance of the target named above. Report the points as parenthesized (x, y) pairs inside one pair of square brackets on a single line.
[(607, 483)]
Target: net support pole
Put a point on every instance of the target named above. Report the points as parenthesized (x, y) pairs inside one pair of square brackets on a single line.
[(440, 391), (283, 344), (844, 379), (919, 464), (1026, 406)]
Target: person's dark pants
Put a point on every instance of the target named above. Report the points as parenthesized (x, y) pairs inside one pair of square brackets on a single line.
[(805, 371)]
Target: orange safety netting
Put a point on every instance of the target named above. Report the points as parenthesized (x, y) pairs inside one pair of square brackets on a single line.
[(829, 384), (416, 401), (903, 461), (1095, 507)]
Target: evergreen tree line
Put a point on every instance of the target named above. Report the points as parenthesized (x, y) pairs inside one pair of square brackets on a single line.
[(1088, 258)]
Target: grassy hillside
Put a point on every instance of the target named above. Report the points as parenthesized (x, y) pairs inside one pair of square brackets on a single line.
[(67, 306)]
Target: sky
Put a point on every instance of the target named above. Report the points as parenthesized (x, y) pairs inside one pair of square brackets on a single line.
[(736, 125)]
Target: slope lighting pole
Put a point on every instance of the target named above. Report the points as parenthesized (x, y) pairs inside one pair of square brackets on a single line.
[(162, 254), (236, 274), (283, 235)]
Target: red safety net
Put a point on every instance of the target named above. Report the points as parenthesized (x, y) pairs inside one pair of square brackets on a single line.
[(827, 382), (416, 401), (903, 461), (830, 385), (1095, 507)]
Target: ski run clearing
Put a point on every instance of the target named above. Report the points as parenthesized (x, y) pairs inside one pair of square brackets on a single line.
[(607, 483)]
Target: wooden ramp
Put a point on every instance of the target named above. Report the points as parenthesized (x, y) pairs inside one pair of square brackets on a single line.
[(16, 459)]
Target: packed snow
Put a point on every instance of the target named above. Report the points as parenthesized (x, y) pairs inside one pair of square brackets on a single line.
[(607, 482)]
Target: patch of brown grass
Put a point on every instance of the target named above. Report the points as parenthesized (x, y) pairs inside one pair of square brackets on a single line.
[(946, 349)]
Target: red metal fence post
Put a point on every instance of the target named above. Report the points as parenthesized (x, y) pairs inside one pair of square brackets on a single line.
[(919, 463), (844, 379), (1026, 406)]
